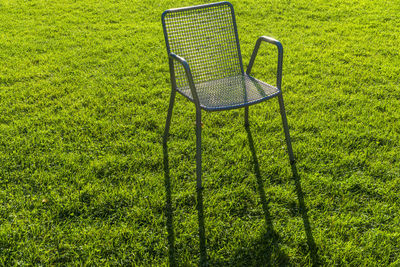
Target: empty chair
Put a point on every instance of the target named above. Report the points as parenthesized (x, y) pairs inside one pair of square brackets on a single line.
[(206, 67)]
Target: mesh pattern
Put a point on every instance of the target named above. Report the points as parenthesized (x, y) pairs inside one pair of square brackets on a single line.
[(231, 92), (206, 38)]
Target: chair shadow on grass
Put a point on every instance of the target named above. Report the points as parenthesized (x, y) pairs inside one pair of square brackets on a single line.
[(169, 216), (263, 251), (168, 209), (302, 207)]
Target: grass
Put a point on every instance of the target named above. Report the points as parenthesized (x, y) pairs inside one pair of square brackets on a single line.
[(84, 89)]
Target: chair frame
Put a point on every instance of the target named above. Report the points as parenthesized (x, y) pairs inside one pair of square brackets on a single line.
[(173, 57)]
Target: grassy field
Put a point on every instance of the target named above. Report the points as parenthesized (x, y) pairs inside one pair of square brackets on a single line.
[(84, 88)]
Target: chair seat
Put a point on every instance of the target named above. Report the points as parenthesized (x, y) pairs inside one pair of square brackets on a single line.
[(231, 92)]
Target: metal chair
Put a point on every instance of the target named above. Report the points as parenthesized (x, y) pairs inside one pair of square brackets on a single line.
[(206, 67)]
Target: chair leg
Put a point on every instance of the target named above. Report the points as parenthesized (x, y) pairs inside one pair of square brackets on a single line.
[(286, 128), (169, 116), (199, 189), (246, 116)]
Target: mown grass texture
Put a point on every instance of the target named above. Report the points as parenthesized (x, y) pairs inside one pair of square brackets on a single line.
[(84, 88)]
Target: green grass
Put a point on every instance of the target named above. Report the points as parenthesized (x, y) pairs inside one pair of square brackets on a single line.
[(84, 88)]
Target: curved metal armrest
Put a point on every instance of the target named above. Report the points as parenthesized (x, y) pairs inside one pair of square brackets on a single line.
[(180, 60), (280, 57), (188, 72)]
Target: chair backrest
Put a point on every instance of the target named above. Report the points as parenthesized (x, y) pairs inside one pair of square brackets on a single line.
[(206, 36)]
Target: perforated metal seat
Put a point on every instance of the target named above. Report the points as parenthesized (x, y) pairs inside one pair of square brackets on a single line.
[(206, 67), (230, 92)]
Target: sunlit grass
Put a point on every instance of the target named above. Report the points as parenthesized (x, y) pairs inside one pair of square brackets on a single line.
[(84, 89)]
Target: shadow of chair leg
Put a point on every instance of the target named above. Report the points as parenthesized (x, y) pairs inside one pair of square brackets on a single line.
[(303, 209), (270, 235), (169, 216), (203, 251), (260, 184), (168, 209)]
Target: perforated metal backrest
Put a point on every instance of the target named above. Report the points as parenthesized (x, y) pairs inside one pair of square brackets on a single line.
[(206, 36)]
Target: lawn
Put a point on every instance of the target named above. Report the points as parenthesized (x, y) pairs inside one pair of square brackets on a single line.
[(84, 91)]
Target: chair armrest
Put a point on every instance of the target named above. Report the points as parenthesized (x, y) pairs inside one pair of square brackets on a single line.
[(188, 72), (180, 60), (280, 57)]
